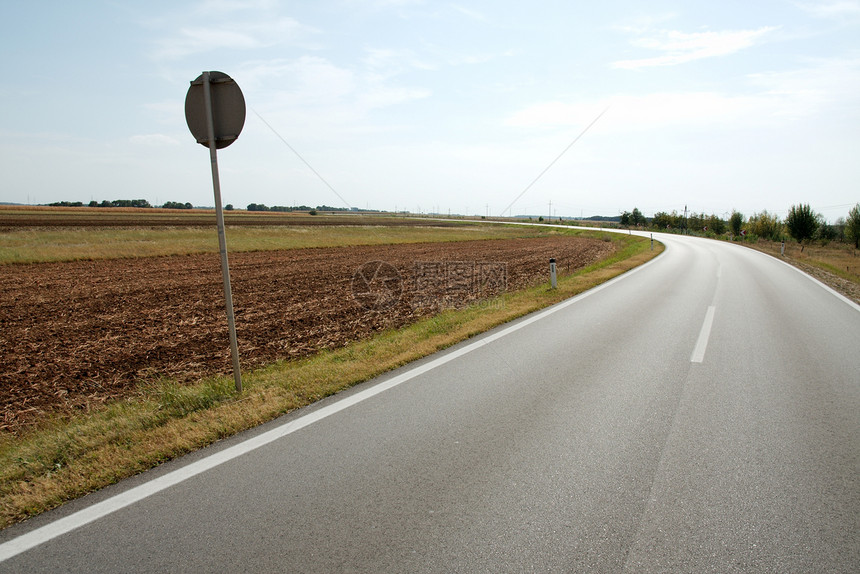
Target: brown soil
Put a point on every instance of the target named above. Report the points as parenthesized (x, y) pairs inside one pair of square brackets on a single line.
[(76, 334)]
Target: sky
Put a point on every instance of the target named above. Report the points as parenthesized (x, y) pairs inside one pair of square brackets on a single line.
[(562, 108)]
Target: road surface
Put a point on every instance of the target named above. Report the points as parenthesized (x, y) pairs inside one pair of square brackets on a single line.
[(699, 414)]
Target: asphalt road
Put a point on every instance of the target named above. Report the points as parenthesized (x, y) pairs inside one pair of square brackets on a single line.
[(700, 414)]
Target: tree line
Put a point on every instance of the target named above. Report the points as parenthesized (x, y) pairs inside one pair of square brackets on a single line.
[(142, 203), (801, 224), (123, 203), (264, 207)]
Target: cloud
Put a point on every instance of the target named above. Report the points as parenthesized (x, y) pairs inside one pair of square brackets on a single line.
[(636, 112), (830, 84), (225, 24), (681, 47), (821, 88), (470, 13), (390, 62), (190, 40), (157, 140), (320, 98), (838, 9)]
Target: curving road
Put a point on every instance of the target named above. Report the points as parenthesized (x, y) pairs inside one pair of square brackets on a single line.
[(699, 414)]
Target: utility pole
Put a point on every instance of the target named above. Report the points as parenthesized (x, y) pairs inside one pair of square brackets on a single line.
[(550, 209)]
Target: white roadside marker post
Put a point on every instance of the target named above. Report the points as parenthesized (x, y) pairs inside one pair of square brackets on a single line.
[(552, 279)]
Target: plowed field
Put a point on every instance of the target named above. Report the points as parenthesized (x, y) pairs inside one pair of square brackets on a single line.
[(76, 334)]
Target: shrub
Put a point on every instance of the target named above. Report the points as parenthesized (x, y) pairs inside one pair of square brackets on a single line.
[(852, 226), (802, 222), (736, 222), (766, 225)]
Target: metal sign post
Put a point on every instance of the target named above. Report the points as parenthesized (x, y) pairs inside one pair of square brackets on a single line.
[(215, 113)]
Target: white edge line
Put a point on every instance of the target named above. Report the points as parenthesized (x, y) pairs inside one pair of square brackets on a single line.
[(119, 501), (705, 334), (821, 284)]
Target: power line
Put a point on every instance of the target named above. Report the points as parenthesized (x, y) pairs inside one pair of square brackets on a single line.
[(570, 145), (298, 155)]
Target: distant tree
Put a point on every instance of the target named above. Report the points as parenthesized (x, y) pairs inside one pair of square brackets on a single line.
[(257, 207), (696, 220), (228, 207), (802, 222), (736, 222), (625, 219), (663, 220), (715, 224), (852, 226), (177, 205), (636, 218), (126, 203), (313, 212), (839, 229), (766, 225), (825, 231), (94, 203)]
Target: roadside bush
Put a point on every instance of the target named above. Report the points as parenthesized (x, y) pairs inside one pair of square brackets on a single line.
[(736, 222), (766, 226), (663, 220), (825, 232), (715, 224), (852, 226), (802, 222)]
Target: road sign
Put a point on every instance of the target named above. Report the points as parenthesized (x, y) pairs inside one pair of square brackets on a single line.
[(215, 113), (228, 109)]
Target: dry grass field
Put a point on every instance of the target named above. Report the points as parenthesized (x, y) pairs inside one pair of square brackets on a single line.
[(29, 235)]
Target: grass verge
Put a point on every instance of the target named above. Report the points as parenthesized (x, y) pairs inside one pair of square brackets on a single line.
[(41, 244), (69, 457)]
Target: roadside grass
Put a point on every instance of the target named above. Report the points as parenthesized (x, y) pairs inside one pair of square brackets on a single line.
[(44, 244), (69, 456)]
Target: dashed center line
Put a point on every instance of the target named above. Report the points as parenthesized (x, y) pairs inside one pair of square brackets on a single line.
[(702, 343)]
